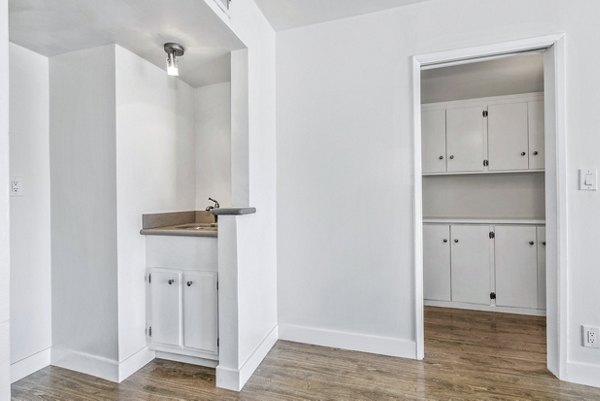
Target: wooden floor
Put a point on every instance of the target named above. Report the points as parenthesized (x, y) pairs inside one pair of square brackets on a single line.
[(468, 356)]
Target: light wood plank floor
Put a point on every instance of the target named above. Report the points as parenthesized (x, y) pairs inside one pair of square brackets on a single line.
[(468, 356)]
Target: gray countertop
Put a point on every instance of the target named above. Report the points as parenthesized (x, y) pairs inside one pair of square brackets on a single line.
[(233, 211)]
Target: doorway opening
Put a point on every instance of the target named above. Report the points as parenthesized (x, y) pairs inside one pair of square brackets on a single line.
[(489, 166)]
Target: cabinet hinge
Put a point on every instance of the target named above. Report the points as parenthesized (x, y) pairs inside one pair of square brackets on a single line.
[(150, 331), (492, 235), (149, 278), (486, 163), (492, 295), (485, 113), (218, 342), (217, 286)]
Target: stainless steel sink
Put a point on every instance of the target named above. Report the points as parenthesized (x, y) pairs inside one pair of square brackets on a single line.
[(198, 226)]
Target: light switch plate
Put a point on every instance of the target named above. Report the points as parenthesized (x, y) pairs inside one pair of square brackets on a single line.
[(16, 186), (587, 179)]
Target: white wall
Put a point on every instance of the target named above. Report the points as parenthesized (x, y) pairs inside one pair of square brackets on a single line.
[(30, 214), (83, 204), (490, 196), (344, 150), (4, 209), (155, 162), (256, 302), (213, 144)]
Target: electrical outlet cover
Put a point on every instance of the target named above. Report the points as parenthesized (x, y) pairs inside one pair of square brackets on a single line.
[(591, 337)]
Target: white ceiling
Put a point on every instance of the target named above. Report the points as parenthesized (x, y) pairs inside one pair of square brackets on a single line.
[(503, 76), (286, 14), (52, 27)]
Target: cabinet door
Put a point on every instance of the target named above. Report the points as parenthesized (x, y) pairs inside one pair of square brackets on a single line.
[(516, 266), (200, 325), (541, 266), (536, 134), (465, 137), (165, 298), (470, 264), (508, 142), (433, 141), (436, 262)]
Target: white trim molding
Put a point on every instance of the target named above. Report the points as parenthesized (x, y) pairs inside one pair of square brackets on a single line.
[(390, 346), (235, 379), (29, 365), (135, 362), (104, 368), (556, 182), (583, 373)]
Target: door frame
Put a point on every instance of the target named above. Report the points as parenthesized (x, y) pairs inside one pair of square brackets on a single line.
[(555, 181)]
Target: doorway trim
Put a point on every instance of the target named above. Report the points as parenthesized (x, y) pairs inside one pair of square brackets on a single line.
[(555, 177)]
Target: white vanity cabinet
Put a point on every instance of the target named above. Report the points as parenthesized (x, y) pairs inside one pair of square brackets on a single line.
[(484, 265), (183, 312)]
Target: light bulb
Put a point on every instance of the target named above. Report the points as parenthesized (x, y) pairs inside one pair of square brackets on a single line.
[(172, 68)]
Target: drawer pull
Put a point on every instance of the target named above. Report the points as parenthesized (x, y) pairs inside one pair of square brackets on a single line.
[(189, 283), (531, 243), (171, 281)]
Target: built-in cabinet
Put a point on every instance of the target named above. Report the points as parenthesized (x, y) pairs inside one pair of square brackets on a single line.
[(499, 134), (487, 264), (183, 312)]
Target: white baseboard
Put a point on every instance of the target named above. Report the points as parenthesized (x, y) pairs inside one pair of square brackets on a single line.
[(485, 308), (135, 362), (351, 341), (583, 373), (235, 379), (192, 360), (81, 362), (29, 365)]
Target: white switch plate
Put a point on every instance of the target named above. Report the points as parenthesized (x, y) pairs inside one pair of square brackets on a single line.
[(591, 337), (16, 186), (587, 179)]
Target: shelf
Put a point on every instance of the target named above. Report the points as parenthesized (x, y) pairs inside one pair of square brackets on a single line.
[(483, 173), (481, 220)]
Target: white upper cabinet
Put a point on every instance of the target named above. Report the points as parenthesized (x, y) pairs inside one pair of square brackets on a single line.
[(436, 262), (516, 266), (508, 137), (470, 261), (487, 135), (433, 141), (465, 135), (536, 135)]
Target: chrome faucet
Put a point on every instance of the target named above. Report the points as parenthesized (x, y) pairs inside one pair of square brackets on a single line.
[(211, 207)]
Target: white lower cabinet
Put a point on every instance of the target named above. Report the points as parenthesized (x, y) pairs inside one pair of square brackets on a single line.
[(183, 316), (470, 261), (436, 261), (516, 266), (495, 265)]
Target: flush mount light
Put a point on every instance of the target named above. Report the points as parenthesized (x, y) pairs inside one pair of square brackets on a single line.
[(173, 51)]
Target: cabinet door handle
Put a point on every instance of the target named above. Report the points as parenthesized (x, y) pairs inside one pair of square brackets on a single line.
[(531, 243), (523, 153), (456, 241), (445, 241), (451, 157), (441, 157), (544, 243), (189, 283), (171, 281), (535, 153)]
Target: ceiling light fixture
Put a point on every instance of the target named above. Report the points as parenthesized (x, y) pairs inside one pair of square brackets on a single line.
[(173, 51)]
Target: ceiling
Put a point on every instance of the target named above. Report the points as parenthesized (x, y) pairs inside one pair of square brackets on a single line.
[(286, 14), (502, 76), (52, 27)]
